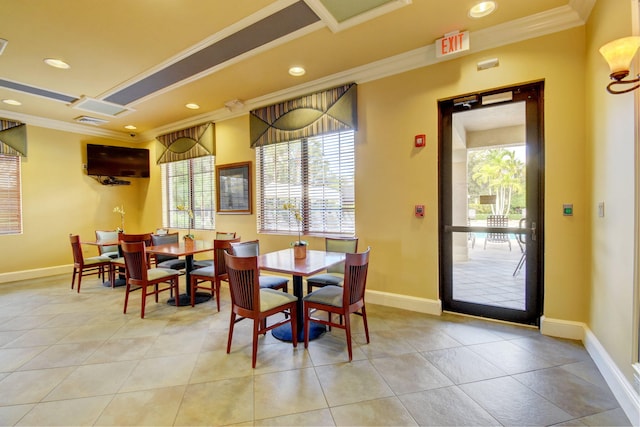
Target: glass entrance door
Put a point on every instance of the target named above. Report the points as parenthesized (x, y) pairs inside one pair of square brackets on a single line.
[(491, 205)]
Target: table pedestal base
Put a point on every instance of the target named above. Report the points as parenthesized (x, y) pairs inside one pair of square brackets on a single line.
[(117, 284), (283, 333), (185, 300)]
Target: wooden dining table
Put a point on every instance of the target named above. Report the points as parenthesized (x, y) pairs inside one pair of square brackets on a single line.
[(186, 248), (283, 261)]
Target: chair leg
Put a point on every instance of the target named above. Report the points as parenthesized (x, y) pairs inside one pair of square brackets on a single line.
[(126, 297), (347, 328), (232, 322), (254, 350), (364, 320), (73, 277), (79, 280), (217, 291), (294, 317), (144, 301), (305, 313)]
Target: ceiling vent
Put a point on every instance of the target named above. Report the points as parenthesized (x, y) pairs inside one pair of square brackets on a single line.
[(90, 120), (100, 107)]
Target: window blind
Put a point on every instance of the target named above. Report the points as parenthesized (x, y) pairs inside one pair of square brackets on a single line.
[(189, 183), (10, 195), (315, 174)]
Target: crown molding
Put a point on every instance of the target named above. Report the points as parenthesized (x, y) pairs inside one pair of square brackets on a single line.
[(544, 23), (559, 19), (66, 126)]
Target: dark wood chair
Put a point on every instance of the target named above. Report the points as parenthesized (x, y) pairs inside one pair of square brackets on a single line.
[(86, 266), (252, 248), (342, 300), (220, 235), (118, 264), (250, 301), (140, 277), (335, 274), (213, 274)]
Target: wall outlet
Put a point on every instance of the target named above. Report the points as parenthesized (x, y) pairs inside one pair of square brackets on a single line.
[(601, 209)]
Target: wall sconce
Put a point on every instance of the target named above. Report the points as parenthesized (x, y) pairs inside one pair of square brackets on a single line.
[(618, 55)]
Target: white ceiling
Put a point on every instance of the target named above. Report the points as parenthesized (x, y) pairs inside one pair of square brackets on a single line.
[(117, 46)]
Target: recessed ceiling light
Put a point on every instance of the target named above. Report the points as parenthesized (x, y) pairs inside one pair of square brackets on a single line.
[(297, 71), (130, 127), (57, 63), (483, 8), (11, 102), (192, 106)]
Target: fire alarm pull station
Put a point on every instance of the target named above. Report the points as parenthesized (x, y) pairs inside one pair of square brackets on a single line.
[(420, 140), (419, 211)]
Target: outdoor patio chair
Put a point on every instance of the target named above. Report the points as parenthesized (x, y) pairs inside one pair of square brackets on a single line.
[(497, 221)]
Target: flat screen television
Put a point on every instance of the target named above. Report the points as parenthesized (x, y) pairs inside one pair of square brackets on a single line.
[(108, 160)]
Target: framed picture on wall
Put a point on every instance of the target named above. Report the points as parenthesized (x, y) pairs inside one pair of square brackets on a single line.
[(233, 188)]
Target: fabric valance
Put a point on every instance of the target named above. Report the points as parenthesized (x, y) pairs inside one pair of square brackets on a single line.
[(323, 112), (197, 141), (13, 138)]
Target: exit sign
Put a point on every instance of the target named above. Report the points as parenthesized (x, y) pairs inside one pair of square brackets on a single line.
[(452, 43)]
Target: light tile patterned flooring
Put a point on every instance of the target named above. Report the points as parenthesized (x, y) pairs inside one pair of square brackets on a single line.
[(76, 359), (487, 276)]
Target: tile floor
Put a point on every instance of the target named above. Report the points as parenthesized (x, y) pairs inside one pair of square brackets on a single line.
[(75, 359), (487, 276)]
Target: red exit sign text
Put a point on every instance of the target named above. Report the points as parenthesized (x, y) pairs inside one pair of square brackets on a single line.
[(452, 43)]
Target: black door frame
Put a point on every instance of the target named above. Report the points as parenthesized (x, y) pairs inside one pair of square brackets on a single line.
[(533, 96)]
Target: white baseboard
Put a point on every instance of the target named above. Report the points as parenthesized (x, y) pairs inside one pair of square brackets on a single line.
[(405, 302), (620, 387), (562, 328), (623, 390), (38, 273)]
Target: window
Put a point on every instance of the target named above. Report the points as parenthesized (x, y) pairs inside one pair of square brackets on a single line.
[(317, 174), (10, 195), (189, 183)]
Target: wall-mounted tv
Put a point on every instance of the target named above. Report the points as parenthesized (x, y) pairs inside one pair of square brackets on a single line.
[(108, 160)]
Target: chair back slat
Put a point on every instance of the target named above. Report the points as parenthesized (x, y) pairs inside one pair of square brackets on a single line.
[(243, 281), (135, 260), (346, 245), (219, 248), (497, 221), (246, 249), (355, 277)]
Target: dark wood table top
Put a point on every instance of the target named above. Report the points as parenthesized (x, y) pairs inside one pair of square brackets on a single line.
[(182, 248), (283, 262)]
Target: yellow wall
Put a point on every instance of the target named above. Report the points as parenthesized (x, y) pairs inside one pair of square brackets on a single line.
[(393, 176), (58, 198), (610, 131)]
